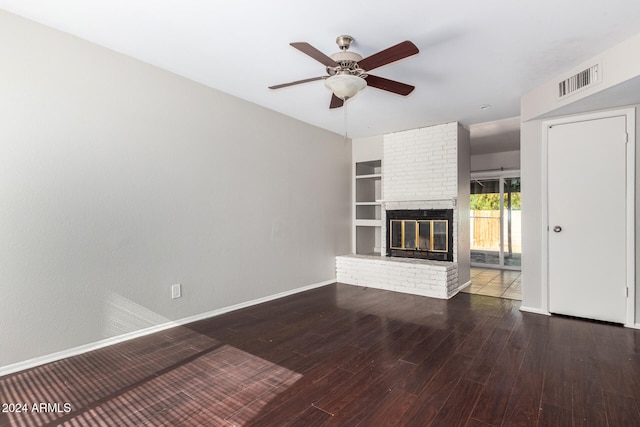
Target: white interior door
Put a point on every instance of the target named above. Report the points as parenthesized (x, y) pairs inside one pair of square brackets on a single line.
[(587, 219)]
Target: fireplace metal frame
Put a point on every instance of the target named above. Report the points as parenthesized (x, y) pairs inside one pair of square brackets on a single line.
[(417, 216), (403, 234)]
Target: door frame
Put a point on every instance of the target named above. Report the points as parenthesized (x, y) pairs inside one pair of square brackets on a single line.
[(630, 115), (500, 175)]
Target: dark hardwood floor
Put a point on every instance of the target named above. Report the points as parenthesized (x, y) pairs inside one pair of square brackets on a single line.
[(347, 356)]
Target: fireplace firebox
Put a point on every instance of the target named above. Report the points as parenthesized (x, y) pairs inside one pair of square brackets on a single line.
[(420, 233)]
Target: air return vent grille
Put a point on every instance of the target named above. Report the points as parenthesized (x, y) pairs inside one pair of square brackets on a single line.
[(578, 81)]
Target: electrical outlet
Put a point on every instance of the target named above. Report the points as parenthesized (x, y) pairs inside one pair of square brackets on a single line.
[(176, 291)]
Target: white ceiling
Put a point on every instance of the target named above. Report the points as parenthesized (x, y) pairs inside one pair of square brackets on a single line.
[(472, 52), (495, 136)]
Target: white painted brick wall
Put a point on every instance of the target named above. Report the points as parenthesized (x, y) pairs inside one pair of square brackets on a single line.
[(434, 279), (420, 171), (421, 164)]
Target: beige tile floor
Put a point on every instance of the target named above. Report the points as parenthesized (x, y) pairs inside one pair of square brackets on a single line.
[(495, 283)]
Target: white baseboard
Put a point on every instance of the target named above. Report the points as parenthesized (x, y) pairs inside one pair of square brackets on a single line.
[(534, 310), (546, 313), (461, 287), (32, 363)]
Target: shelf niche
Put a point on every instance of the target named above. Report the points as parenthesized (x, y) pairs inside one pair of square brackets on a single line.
[(368, 214)]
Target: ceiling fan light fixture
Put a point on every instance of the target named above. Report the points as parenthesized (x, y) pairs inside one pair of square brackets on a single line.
[(345, 86), (348, 72)]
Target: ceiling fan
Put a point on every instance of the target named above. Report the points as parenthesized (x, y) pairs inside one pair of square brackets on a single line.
[(348, 72)]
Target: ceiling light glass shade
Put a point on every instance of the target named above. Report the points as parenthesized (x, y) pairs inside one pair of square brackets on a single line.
[(345, 86)]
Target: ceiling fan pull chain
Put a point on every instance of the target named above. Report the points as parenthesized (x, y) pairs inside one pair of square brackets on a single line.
[(346, 123)]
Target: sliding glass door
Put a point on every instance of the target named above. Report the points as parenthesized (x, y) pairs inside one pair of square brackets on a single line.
[(511, 220), (495, 220)]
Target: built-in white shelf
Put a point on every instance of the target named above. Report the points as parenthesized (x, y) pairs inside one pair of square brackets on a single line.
[(368, 223), (373, 167), (368, 211), (368, 193), (370, 176)]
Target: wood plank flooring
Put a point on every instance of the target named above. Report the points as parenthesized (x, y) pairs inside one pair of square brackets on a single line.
[(344, 355)]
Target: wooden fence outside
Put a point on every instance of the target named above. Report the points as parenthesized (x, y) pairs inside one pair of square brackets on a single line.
[(485, 231)]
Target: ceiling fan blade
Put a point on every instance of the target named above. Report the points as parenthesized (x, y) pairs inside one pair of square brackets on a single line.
[(389, 85), (315, 54), (387, 56), (297, 82), (336, 102)]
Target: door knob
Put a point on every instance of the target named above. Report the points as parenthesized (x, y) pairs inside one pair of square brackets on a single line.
[(557, 229)]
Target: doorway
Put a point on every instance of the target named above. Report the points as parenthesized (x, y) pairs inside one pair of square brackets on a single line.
[(590, 216), (495, 220)]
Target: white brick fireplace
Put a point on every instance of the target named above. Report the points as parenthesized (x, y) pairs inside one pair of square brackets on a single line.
[(422, 169)]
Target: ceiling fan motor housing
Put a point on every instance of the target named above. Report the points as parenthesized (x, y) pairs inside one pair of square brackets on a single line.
[(346, 56), (348, 63)]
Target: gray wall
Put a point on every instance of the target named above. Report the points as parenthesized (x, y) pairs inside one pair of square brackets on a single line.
[(495, 161), (532, 214), (464, 200), (118, 179)]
